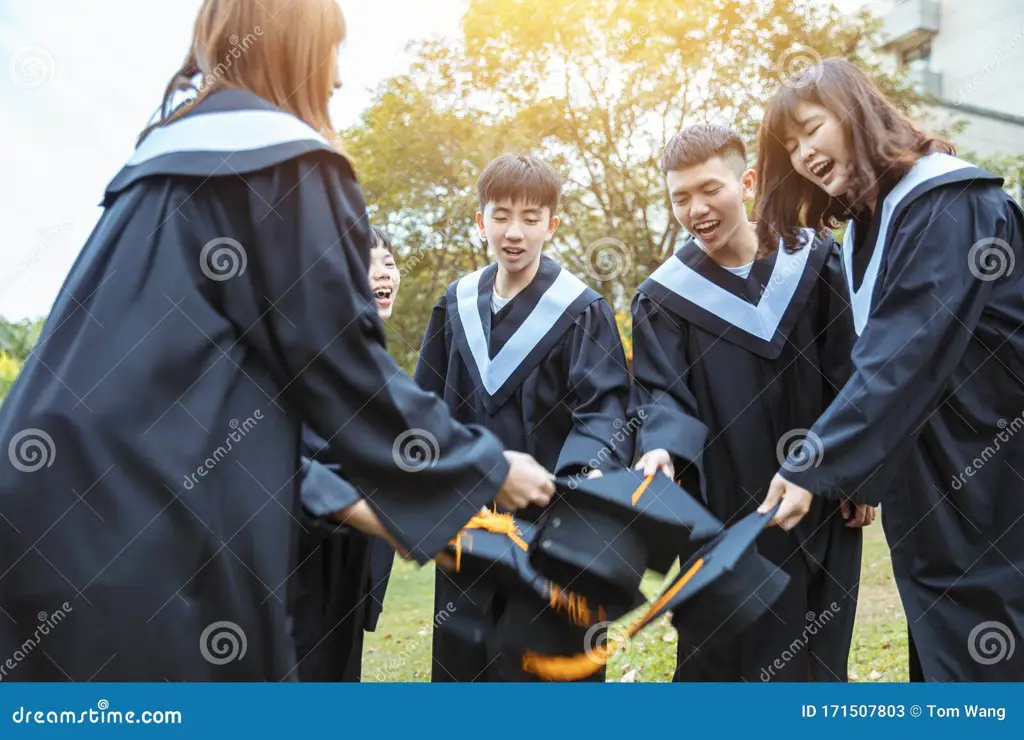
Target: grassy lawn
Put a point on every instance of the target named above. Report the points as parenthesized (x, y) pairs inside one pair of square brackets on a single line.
[(400, 648)]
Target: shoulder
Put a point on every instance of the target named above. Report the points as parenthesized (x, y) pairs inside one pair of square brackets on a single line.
[(959, 206)]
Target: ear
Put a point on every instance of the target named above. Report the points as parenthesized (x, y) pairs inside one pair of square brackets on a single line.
[(480, 225), (749, 180), (552, 225)]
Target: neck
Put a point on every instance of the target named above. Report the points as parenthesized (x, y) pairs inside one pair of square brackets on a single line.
[(740, 250), (510, 284)]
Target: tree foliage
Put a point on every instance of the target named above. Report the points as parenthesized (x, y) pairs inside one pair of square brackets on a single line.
[(596, 87)]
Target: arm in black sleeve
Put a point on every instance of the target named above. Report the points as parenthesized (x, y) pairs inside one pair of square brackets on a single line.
[(306, 306), (913, 340), (661, 398), (598, 381), (432, 365)]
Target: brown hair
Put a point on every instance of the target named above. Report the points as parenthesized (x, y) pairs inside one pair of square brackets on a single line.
[(695, 145), (284, 51), (520, 178), (883, 143)]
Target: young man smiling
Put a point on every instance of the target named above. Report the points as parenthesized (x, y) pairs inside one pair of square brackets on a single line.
[(527, 350), (734, 357)]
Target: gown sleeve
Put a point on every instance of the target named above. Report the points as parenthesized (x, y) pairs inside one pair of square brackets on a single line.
[(914, 338), (304, 304), (432, 365), (598, 380), (661, 397)]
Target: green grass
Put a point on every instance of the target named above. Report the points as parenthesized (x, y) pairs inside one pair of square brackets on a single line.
[(400, 648)]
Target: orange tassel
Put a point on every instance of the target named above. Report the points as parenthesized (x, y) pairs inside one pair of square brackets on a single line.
[(576, 667), (641, 488), (491, 521)]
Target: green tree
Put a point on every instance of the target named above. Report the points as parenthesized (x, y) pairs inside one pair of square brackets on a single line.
[(596, 87), (17, 338)]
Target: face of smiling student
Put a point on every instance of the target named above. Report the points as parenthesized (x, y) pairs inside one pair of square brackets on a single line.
[(384, 280), (516, 232), (817, 148), (708, 198)]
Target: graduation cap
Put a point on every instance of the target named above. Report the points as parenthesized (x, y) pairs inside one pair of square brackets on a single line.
[(726, 585), (601, 534), (492, 552)]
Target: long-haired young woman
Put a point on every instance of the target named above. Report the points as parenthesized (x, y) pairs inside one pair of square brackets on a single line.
[(220, 304), (927, 425)]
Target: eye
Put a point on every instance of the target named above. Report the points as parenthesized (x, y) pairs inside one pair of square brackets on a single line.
[(532, 221), (714, 192), (500, 219)]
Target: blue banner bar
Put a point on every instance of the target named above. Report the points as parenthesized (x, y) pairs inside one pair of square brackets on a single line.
[(522, 711)]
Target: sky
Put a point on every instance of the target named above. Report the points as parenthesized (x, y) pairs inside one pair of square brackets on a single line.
[(79, 80)]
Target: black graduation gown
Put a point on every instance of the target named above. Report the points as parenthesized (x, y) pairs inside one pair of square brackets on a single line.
[(727, 370), (342, 579), (154, 433), (929, 424), (548, 375)]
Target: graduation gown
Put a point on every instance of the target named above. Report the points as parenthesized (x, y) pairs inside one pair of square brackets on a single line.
[(154, 433), (342, 577), (548, 375), (929, 424), (728, 371)]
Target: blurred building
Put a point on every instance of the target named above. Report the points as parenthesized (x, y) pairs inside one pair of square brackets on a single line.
[(969, 54)]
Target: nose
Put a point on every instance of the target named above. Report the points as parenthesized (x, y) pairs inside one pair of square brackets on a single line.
[(807, 153), (514, 233), (698, 209)]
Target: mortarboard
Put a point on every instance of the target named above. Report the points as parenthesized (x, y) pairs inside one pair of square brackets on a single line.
[(601, 534), (491, 552), (726, 582)]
